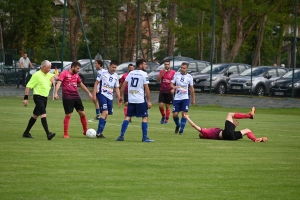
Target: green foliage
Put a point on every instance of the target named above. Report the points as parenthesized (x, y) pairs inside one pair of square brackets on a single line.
[(173, 167)]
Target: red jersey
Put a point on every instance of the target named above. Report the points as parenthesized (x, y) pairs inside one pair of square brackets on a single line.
[(69, 84), (122, 79), (210, 133), (165, 82)]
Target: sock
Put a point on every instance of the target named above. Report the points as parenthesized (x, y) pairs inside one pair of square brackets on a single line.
[(162, 111), (182, 124), (84, 123), (251, 136), (97, 111), (66, 124), (30, 124), (168, 114), (125, 111), (124, 127), (241, 116), (45, 125), (145, 130), (101, 125), (104, 124), (176, 120)]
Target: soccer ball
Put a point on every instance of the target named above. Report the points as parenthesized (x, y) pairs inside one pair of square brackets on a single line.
[(91, 133)]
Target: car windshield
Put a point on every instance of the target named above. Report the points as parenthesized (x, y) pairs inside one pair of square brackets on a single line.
[(255, 71), (216, 69), (290, 74)]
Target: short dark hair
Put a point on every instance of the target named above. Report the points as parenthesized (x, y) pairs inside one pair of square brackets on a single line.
[(100, 62), (139, 62), (130, 65), (75, 64), (167, 61), (113, 62), (185, 63)]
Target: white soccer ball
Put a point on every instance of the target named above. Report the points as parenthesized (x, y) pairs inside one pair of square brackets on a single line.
[(91, 133)]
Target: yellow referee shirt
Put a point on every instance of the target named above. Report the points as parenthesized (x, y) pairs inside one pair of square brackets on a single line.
[(40, 83)]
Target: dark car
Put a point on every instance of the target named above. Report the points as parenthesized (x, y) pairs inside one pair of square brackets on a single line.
[(219, 74), (176, 58), (283, 85), (261, 80)]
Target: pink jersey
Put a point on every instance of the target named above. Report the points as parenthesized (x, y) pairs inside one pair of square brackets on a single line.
[(210, 133), (69, 85), (122, 79), (165, 83)]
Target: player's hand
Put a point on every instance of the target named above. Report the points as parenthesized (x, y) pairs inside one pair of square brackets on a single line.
[(236, 123), (56, 97), (172, 91), (94, 98), (90, 95), (193, 102), (25, 102), (149, 105)]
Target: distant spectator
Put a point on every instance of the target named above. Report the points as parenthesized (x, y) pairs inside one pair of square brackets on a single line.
[(274, 65), (156, 61), (24, 65), (282, 65)]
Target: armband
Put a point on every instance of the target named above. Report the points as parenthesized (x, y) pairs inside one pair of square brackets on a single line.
[(25, 97)]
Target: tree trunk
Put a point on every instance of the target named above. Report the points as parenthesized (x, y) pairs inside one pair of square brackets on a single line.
[(171, 35), (256, 59), (128, 49)]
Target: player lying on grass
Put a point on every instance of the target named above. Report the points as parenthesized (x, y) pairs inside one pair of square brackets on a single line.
[(229, 132)]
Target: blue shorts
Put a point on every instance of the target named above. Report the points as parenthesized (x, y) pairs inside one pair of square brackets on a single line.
[(105, 103), (137, 109), (181, 105)]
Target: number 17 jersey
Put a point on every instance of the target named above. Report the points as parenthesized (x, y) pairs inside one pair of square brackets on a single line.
[(136, 80)]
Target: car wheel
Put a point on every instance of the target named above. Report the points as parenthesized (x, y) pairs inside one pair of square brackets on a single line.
[(260, 90), (221, 88), (2, 79)]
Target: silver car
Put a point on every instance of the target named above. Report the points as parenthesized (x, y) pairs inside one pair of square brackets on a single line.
[(261, 80), (220, 73)]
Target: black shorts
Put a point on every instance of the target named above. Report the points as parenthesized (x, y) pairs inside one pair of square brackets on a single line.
[(166, 98), (40, 105), (229, 134), (125, 98), (70, 104)]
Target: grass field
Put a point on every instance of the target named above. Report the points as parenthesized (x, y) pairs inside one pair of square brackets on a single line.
[(173, 167)]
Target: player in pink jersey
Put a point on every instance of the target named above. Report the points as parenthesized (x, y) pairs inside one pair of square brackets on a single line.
[(228, 133), (69, 79), (122, 79), (165, 77)]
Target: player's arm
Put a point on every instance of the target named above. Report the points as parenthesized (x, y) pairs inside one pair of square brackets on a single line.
[(85, 89), (25, 101), (122, 91), (95, 90), (173, 88), (193, 100), (147, 92), (160, 75), (57, 86), (192, 123)]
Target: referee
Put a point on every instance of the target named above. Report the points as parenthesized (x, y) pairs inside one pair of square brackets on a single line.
[(40, 82)]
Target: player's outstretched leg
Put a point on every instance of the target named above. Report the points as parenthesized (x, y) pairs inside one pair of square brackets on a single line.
[(249, 115)]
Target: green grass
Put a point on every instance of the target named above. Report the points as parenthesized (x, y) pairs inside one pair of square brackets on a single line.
[(174, 167)]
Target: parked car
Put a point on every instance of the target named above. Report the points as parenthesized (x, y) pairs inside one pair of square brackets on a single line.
[(176, 58), (283, 85), (153, 84), (196, 66), (261, 80), (220, 74), (122, 68)]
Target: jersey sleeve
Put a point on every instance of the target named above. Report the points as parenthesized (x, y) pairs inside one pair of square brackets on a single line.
[(99, 75), (122, 79), (62, 76), (117, 84), (78, 79), (146, 79)]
